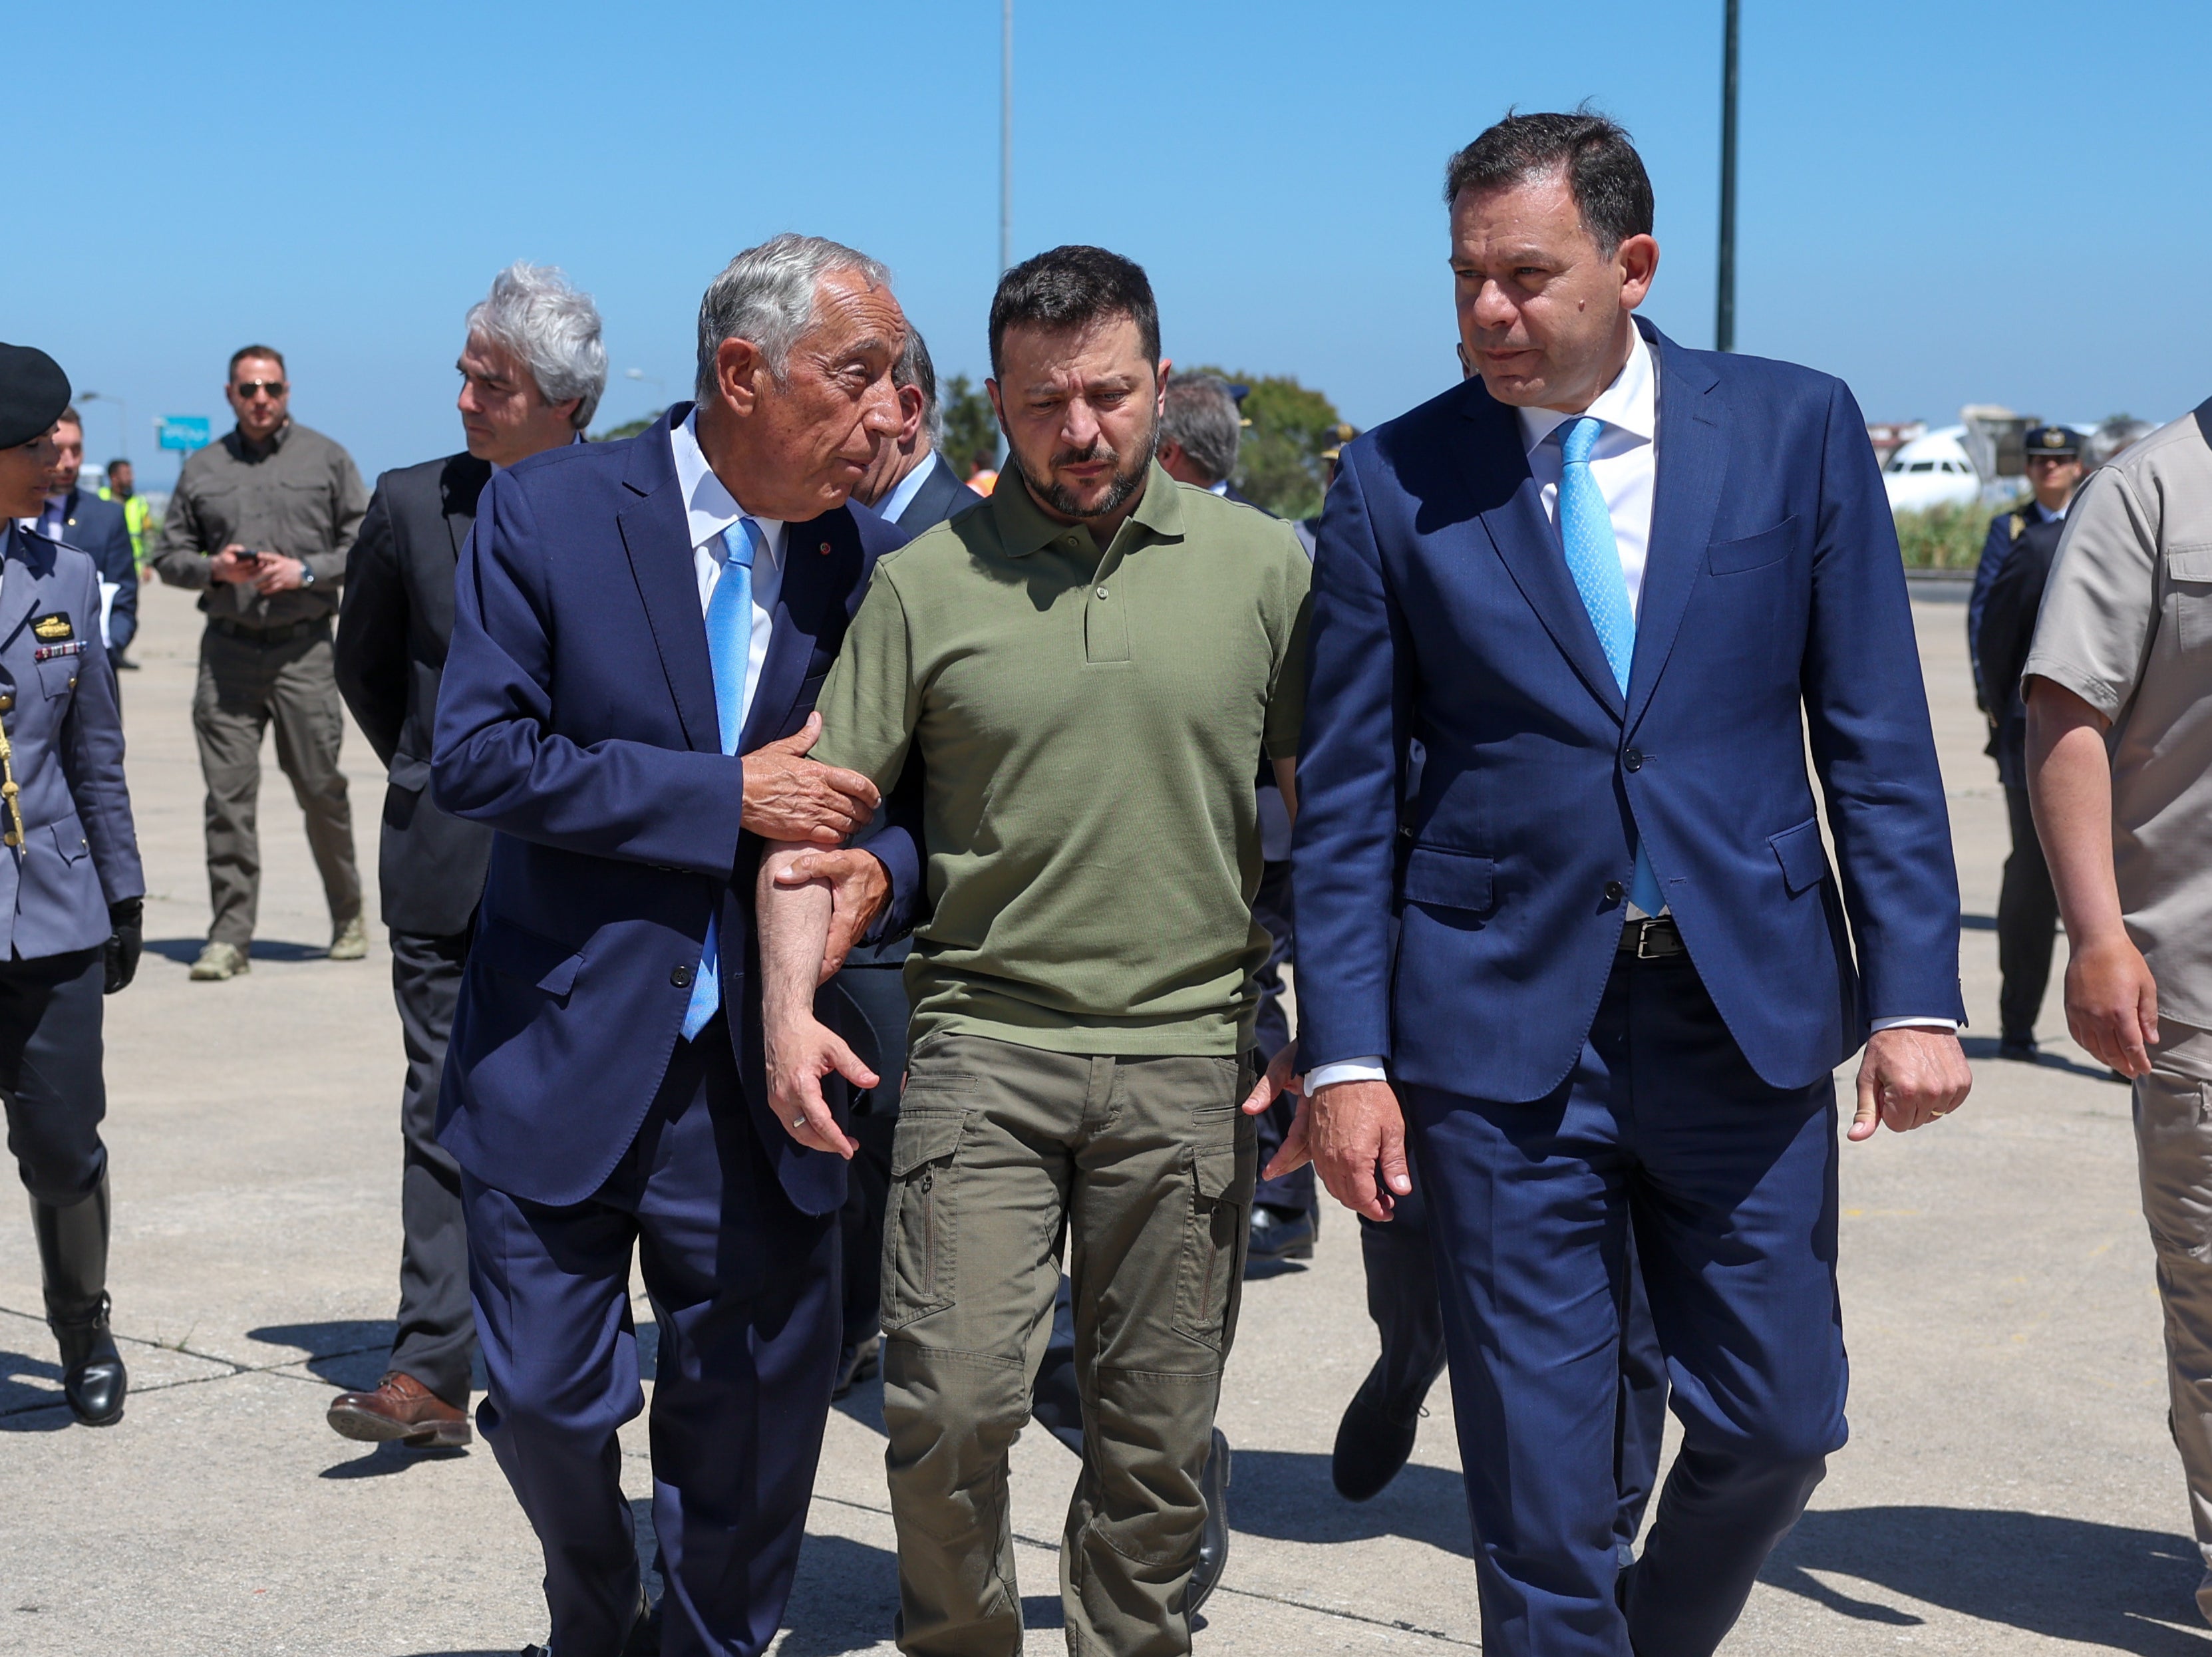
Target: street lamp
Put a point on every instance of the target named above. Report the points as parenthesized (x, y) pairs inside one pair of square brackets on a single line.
[(1724, 294), (122, 408)]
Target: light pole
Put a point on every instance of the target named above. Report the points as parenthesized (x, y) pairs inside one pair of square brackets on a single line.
[(1006, 136), (121, 408), (1724, 296)]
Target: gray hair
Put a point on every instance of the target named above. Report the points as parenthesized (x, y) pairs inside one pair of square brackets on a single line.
[(766, 294), (915, 369), (552, 329), (2120, 431), (1201, 415)]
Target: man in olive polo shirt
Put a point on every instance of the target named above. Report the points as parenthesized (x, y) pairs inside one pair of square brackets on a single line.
[(1091, 665)]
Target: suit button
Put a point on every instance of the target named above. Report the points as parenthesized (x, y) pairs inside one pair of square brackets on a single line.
[(1633, 759), (1614, 891), (680, 977)]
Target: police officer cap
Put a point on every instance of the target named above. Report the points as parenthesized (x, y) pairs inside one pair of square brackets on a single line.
[(2052, 439), (33, 391)]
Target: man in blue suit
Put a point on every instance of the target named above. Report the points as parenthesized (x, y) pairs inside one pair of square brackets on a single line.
[(1611, 585), (603, 1089), (95, 527)]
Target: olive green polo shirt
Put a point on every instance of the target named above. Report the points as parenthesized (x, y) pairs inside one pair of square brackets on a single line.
[(1089, 727)]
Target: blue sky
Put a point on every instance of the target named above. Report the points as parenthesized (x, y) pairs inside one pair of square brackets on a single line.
[(1942, 202)]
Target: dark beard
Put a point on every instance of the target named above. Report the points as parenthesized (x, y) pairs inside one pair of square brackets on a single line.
[(1129, 480)]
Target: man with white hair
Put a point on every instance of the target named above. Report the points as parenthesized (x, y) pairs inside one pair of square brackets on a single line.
[(531, 371), (640, 629)]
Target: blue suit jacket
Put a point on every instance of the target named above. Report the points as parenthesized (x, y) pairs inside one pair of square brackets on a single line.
[(98, 528), (577, 719), (1443, 614), (65, 738)]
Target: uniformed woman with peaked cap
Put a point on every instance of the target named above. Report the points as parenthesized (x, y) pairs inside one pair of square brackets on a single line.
[(70, 891)]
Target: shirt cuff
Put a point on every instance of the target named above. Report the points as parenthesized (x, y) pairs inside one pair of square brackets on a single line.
[(1366, 1068), (1912, 1024)]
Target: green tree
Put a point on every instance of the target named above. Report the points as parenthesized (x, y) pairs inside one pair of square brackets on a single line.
[(971, 430), (1287, 426)]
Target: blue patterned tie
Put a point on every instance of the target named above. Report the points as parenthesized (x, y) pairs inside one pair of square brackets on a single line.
[(1594, 560), (729, 650)]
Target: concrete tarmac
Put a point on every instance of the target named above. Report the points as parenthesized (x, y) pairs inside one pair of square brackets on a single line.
[(2009, 1486)]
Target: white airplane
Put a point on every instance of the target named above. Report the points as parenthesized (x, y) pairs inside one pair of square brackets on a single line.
[(1934, 470)]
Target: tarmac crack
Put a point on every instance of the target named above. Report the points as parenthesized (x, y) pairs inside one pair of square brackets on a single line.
[(231, 1369)]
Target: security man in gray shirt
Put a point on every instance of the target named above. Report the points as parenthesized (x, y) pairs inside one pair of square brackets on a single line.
[(261, 523), (71, 895)]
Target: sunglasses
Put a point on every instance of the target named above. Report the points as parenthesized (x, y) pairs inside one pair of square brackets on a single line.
[(253, 388)]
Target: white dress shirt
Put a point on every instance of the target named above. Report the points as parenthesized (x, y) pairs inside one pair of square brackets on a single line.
[(908, 487), (712, 508), (1625, 464)]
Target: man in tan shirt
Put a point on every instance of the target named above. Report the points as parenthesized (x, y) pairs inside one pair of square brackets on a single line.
[(2119, 709), (261, 524)]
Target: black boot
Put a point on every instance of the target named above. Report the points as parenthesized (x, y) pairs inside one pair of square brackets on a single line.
[(73, 1258)]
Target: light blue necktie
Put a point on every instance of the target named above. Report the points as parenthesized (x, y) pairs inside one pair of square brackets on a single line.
[(729, 651), (1594, 560)]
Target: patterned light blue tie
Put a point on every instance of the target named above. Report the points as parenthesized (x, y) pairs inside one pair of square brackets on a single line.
[(729, 650), (1594, 560)]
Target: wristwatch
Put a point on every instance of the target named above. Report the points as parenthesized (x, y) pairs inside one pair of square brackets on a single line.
[(306, 575)]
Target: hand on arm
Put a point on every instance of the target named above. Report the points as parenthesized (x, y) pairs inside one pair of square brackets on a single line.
[(793, 918), (2111, 1000), (789, 796), (1352, 1132), (858, 885)]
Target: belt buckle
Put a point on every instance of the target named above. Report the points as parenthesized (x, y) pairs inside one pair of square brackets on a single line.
[(1645, 929)]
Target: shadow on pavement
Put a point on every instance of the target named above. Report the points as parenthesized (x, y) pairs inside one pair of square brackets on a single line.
[(384, 1459), (2065, 1579), (30, 1394), (843, 1599), (1978, 923), (1985, 1047), (185, 951), (1286, 1495), (345, 1353)]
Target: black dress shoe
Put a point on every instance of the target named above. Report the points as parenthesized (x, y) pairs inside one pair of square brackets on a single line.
[(858, 1364), (1213, 1535), (643, 1639), (1278, 1236), (1372, 1441), (2020, 1049)]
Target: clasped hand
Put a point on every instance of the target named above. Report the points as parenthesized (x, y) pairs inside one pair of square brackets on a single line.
[(1352, 1132), (790, 797)]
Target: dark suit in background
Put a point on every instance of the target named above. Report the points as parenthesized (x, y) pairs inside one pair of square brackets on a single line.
[(394, 625), (99, 529), (868, 997)]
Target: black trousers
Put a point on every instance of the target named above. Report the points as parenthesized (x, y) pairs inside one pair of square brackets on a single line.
[(868, 1008), (2027, 923), (1294, 1191), (49, 1073), (437, 1330)]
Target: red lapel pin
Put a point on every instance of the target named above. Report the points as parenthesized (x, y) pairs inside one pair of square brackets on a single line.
[(825, 549)]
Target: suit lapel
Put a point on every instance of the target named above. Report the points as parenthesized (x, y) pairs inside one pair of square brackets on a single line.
[(1692, 464), (796, 623), (656, 533), (459, 485), (1530, 549)]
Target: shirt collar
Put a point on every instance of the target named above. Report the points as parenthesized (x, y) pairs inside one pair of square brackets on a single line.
[(249, 449), (908, 487), (1023, 528), (1220, 488), (707, 503), (1630, 404)]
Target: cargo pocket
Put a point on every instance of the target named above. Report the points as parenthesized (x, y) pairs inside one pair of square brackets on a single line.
[(920, 1236), (1220, 1185)]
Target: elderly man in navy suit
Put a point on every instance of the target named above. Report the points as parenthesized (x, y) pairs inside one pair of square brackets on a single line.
[(1611, 586), (639, 631)]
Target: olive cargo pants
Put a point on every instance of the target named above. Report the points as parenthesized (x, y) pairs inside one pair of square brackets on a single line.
[(1145, 1166), (245, 686)]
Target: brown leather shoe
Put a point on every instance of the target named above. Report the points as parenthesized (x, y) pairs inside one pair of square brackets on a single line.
[(401, 1407)]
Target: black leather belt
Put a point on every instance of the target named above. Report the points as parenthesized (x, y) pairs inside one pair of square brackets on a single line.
[(1653, 939), (268, 636)]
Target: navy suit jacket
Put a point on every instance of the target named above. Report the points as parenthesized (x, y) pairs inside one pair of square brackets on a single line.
[(1773, 607), (576, 716), (941, 494), (98, 528)]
